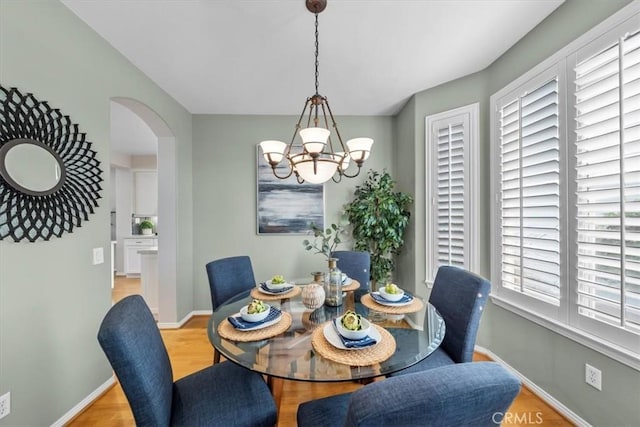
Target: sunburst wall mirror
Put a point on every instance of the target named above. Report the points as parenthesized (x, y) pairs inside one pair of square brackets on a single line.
[(49, 175)]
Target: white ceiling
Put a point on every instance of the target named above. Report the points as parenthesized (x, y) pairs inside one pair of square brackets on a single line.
[(256, 57)]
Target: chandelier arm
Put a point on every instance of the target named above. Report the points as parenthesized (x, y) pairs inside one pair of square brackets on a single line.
[(335, 126), (295, 131), (310, 114), (275, 173), (326, 125), (343, 172)]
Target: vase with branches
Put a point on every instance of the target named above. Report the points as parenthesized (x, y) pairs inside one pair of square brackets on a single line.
[(325, 241)]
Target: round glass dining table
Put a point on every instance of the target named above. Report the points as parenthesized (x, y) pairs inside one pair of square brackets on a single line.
[(290, 355)]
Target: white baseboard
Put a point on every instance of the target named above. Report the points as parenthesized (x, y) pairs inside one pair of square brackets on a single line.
[(73, 412), (185, 319), (549, 399)]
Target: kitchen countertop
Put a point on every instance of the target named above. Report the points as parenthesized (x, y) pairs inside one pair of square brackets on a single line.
[(142, 236)]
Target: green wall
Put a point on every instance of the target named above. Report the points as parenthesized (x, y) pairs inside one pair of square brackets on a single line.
[(406, 164), (52, 299), (224, 193), (551, 361)]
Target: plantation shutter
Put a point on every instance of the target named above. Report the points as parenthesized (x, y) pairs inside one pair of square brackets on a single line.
[(530, 193), (450, 194), (607, 98)]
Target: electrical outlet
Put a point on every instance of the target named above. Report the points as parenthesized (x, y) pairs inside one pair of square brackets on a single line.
[(5, 404), (593, 376), (98, 256)]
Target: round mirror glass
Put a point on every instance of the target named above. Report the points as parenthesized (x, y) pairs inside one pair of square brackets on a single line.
[(30, 167)]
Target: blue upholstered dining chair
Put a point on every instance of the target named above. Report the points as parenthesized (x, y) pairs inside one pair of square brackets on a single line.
[(356, 265), (466, 394), (222, 394), (460, 297), (228, 277)]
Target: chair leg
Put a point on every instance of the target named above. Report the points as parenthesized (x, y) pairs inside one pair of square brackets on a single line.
[(216, 356)]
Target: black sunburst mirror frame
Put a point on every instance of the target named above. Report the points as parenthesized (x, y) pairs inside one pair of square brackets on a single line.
[(33, 215)]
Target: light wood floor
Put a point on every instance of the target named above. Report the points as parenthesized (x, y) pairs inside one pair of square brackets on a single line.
[(124, 286), (189, 350)]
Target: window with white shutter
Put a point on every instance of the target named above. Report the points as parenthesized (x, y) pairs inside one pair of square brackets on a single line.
[(607, 183), (565, 166), (451, 137), (450, 195), (529, 192)]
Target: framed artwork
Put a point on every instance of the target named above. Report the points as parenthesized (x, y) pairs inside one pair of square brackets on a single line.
[(284, 206)]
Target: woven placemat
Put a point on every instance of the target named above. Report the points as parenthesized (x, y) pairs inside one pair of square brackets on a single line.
[(351, 286), (227, 331), (363, 357), (255, 293), (369, 302)]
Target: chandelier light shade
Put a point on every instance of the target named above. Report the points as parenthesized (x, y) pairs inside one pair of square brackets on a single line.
[(319, 157)]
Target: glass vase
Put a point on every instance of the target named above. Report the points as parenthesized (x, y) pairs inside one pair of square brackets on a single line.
[(333, 285)]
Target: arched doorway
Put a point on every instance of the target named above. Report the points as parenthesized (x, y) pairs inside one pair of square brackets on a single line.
[(167, 205)]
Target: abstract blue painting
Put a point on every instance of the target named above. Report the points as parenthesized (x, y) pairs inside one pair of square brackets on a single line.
[(284, 206)]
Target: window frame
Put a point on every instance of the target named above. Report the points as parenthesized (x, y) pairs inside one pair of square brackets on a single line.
[(536, 81), (564, 321), (594, 327), (468, 114)]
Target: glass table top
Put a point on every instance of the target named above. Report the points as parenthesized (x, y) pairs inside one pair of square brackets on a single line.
[(290, 355)]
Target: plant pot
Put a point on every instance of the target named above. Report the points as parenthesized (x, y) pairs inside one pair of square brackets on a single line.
[(147, 231)]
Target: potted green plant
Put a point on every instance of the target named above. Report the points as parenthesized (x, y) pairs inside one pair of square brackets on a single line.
[(379, 217), (146, 227)]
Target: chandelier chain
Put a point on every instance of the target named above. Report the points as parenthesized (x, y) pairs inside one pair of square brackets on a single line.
[(317, 48)]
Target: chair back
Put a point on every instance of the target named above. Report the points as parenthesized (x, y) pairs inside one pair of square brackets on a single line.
[(132, 342), (356, 265), (466, 394), (459, 296), (228, 277)]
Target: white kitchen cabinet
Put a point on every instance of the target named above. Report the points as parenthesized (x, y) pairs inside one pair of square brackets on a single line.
[(132, 263), (146, 193)]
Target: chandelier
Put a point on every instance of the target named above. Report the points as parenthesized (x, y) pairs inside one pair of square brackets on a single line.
[(317, 160)]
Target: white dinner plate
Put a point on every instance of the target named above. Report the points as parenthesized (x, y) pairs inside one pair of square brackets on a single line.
[(278, 286), (268, 292), (260, 326), (382, 301), (331, 335)]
